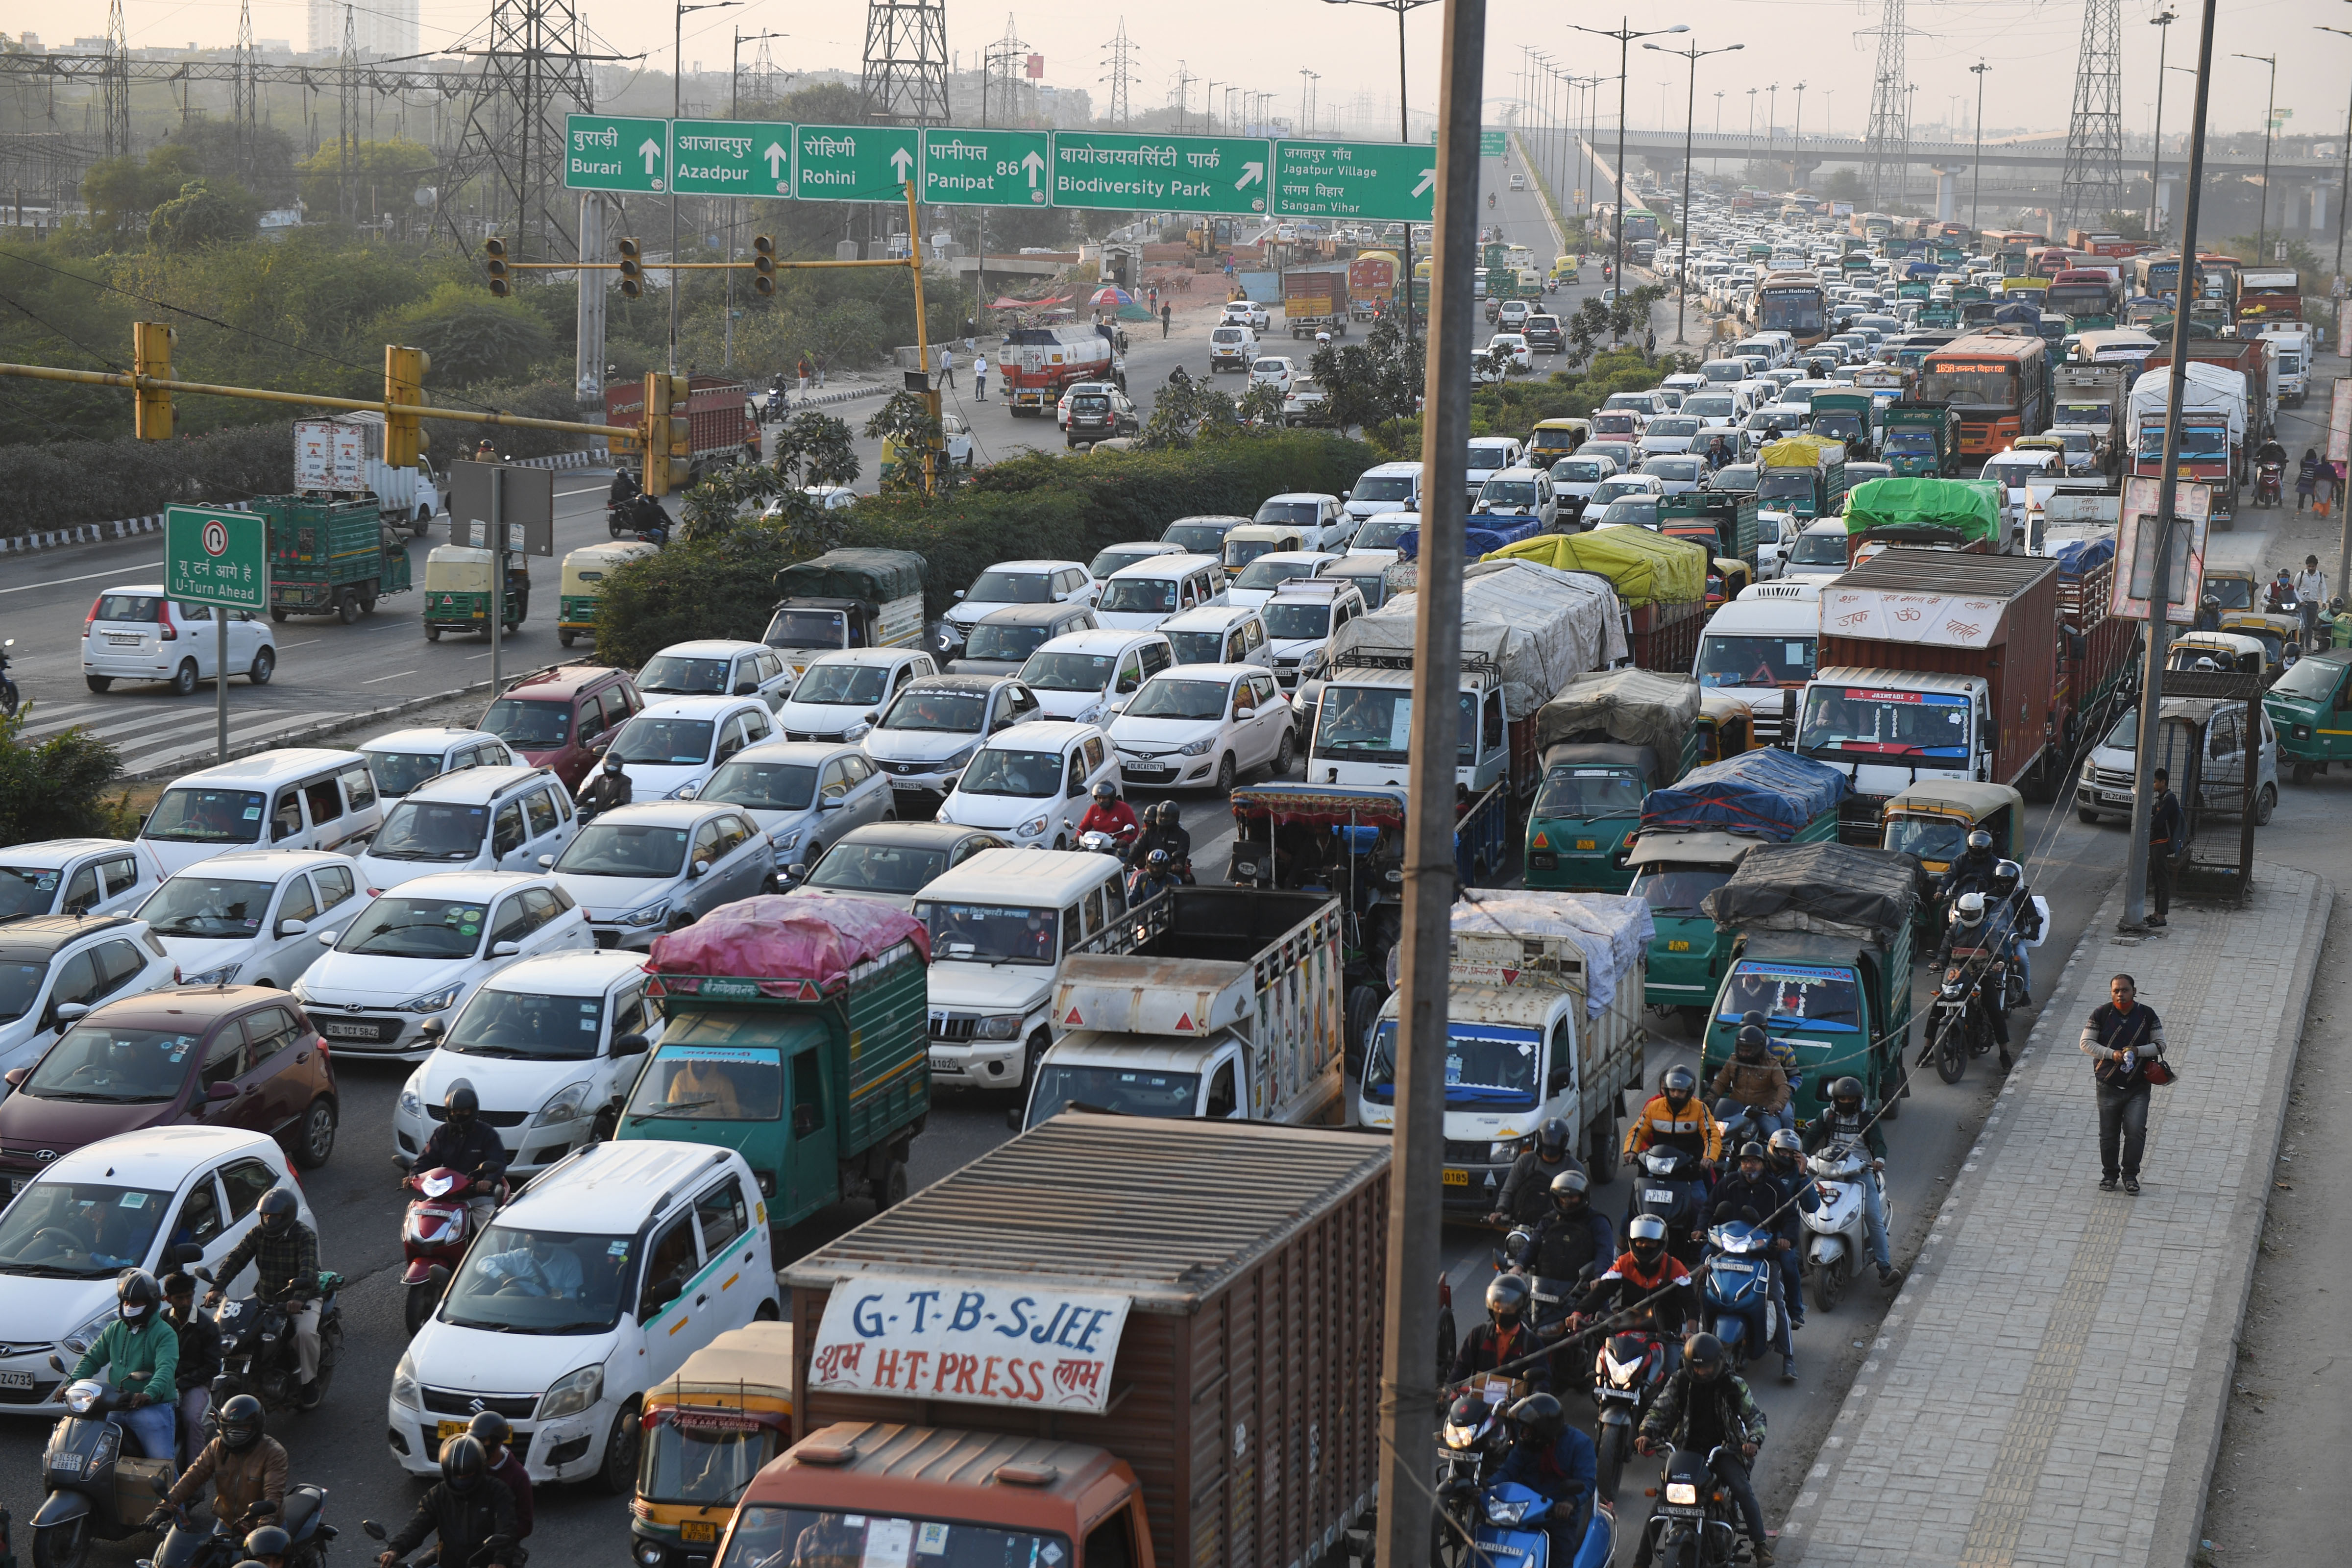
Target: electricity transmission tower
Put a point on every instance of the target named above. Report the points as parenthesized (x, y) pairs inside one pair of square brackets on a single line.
[(535, 70), (905, 80), (2095, 133), (1121, 66), (1890, 127), (117, 129), (347, 132), (245, 90)]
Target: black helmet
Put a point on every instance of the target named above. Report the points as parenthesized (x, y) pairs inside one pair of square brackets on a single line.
[(1464, 1419), (612, 765), (136, 1295), (1540, 1417), (1979, 840), (1507, 1299), (463, 1463), (1571, 1192), (490, 1429), (1846, 1094), (278, 1209), (463, 1104), (1646, 1238), (1751, 1150), (241, 1422), (268, 1541), (1552, 1138), (1703, 1353), (1679, 1084), (1750, 1043), (2005, 875), (1105, 794)]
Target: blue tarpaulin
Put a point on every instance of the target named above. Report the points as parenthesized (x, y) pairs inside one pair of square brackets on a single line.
[(2082, 556), (1477, 542), (1770, 793)]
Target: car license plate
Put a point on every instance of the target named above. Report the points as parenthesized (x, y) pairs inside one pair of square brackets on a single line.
[(446, 1430), (1136, 773), (1455, 1178), (348, 1031), (15, 1380), (1677, 947), (2114, 795), (122, 639), (694, 1530), (1656, 1196), (945, 1064)]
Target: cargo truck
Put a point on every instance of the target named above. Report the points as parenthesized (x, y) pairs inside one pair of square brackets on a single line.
[(1543, 1020), (1371, 283), (1315, 300), (795, 1032), (1660, 582), (331, 557), (1037, 364), (343, 457), (1036, 1364), (1963, 515), (1231, 1011), (845, 599), (2217, 423), (1721, 523), (2267, 297), (1920, 440), (1606, 742), (722, 424), (1799, 478), (2296, 343), (1761, 648)]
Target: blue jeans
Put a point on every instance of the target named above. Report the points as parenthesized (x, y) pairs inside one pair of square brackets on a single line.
[(155, 1426), (1874, 1211)]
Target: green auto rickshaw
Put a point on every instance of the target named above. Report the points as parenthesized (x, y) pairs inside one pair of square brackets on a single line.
[(2311, 709), (457, 591)]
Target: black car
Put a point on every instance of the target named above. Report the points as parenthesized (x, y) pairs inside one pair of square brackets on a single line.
[(1102, 415), (1544, 335)]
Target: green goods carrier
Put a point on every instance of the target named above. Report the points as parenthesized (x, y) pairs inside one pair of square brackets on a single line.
[(331, 557)]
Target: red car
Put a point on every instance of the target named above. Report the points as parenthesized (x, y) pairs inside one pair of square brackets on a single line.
[(229, 1056), (552, 718)]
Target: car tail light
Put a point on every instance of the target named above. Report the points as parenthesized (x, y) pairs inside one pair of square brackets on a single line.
[(169, 633), (91, 619)]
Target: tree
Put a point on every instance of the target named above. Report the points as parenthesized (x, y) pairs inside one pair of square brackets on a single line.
[(378, 178), (814, 449), (122, 192), (1372, 383), (201, 215), (54, 788), (472, 337), (908, 428)]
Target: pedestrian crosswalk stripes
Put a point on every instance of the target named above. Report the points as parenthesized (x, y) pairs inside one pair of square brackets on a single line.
[(150, 737)]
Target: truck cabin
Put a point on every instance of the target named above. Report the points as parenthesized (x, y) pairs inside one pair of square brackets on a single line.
[(1589, 803), (1674, 872), (1363, 726), (802, 629), (1184, 1080), (1508, 1050), (1822, 995)]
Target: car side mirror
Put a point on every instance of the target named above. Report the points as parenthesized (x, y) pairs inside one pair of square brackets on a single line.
[(14, 1076), (690, 791), (220, 1092), (959, 593), (599, 747), (699, 868), (631, 1044), (327, 938), (746, 687), (797, 871), (546, 862), (806, 1120), (72, 1012), (433, 1028), (505, 949), (292, 927), (187, 1252)]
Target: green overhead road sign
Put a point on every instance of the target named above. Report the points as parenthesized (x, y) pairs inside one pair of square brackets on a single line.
[(853, 163), (605, 152), (731, 158), (987, 168), (1490, 144), (216, 557), (1386, 182), (1189, 173)]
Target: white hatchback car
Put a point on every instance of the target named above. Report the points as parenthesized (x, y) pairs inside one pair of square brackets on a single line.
[(74, 876), (1254, 584), (803, 794), (840, 695), (717, 667), (412, 955), (134, 633), (641, 871), (546, 1046), (1079, 675), (671, 746), (403, 759), (246, 918), (1274, 371), (1033, 783), (1202, 726)]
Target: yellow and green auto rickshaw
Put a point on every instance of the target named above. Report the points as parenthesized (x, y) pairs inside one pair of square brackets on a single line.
[(707, 1429), (1727, 726), (457, 591), (2311, 709), (1933, 819), (584, 570), (2280, 634), (1726, 579)]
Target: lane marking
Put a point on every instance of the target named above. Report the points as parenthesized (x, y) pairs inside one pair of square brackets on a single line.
[(61, 582), (381, 679)]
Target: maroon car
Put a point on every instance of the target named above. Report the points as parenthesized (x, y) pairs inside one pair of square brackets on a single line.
[(231, 1056), (553, 718)]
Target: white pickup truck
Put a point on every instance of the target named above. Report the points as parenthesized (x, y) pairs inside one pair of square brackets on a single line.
[(1231, 1011)]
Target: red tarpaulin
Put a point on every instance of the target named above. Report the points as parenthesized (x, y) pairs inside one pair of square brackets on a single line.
[(1007, 303), (781, 942)]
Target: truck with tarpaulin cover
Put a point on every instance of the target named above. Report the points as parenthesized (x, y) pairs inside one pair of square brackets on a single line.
[(1543, 1020), (1962, 515), (2098, 651), (1606, 742), (2096, 395), (1232, 1010), (1920, 440), (1028, 1361), (331, 557), (796, 1031), (1721, 523), (2221, 423), (1799, 476), (844, 599), (1315, 300), (1823, 950), (1660, 582), (1935, 665), (1673, 872)]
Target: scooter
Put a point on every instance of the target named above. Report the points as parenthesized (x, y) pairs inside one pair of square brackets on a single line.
[(9, 693), (1737, 1281), (2270, 484), (1695, 1522), (434, 1235), (257, 1353), (1839, 1223), (1510, 1530), (95, 1490)]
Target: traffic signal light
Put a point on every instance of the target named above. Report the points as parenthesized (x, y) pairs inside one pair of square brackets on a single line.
[(764, 263), (404, 383), (669, 437), (495, 251), (633, 272), (150, 355)]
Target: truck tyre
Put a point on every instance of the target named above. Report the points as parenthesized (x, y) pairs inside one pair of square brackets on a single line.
[(347, 606), (431, 634), (2302, 774), (1601, 1164), (276, 614), (564, 637), (891, 1190), (367, 600), (424, 521)]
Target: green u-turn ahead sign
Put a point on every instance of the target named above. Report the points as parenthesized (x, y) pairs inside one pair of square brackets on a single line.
[(216, 557)]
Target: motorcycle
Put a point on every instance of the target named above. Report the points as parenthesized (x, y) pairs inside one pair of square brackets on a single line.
[(434, 1235), (9, 696), (1467, 1457), (1839, 1223), (1695, 1522), (779, 404), (1627, 1373), (1670, 1186), (1736, 1279), (1961, 1026), (497, 1549), (2270, 484), (95, 1489), (258, 1355), (220, 1544)]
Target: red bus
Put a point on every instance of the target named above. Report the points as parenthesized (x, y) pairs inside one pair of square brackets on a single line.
[(1999, 384)]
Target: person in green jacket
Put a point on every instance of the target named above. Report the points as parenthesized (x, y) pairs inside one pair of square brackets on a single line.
[(140, 1353)]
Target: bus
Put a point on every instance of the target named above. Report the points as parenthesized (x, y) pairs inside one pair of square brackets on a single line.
[(1999, 384), (2047, 261), (1872, 226), (1641, 223), (2085, 292), (2155, 276), (2217, 279), (1791, 302)]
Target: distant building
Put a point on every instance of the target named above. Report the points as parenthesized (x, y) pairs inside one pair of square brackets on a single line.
[(383, 30)]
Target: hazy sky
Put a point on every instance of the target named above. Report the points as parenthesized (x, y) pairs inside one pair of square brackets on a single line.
[(2029, 46)]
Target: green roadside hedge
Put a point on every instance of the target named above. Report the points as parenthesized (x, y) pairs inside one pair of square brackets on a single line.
[(1036, 507)]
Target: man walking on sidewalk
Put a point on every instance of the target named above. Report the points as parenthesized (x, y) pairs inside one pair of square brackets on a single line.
[(2310, 593), (1167, 314), (947, 365), (2121, 1038), (2164, 830)]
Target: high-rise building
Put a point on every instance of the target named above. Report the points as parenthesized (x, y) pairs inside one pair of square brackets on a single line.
[(385, 29)]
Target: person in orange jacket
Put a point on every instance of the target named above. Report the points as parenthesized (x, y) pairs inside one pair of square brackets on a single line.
[(1676, 1116)]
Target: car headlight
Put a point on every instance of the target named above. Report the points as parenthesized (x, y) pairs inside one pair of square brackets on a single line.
[(785, 842), (1503, 1153), (412, 1099), (300, 993), (1199, 748), (404, 1384), (1030, 828), (221, 975), (652, 914), (572, 1395), (438, 1000), (998, 1026), (82, 1338), (564, 1107), (955, 764), (1683, 1492)]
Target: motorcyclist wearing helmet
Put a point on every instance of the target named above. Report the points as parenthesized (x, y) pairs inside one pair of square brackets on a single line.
[(1978, 935), (1112, 815), (1849, 1122), (1525, 1198), (1706, 1406), (1506, 1343), (1551, 1456), (1155, 875), (140, 1354), (1163, 830), (1784, 1162), (492, 1431), (465, 1509), (1573, 1234), (2209, 615), (246, 1466), (1751, 1079), (465, 1143), (1750, 1195), (269, 1546), (285, 1253), (2009, 894), (1971, 869), (607, 787), (1646, 1280), (200, 1357), (1676, 1115)]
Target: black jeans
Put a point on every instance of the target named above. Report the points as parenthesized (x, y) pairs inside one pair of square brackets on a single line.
[(2159, 880), (2123, 1119)]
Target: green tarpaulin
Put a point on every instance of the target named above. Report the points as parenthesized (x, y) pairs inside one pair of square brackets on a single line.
[(1644, 568), (877, 577), (1969, 508)]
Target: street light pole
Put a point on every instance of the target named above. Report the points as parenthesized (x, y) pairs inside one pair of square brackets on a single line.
[(678, 112), (2270, 125), (1976, 172), (2343, 197), (2163, 20), (1692, 56), (1624, 34), (1797, 138), (1404, 125)]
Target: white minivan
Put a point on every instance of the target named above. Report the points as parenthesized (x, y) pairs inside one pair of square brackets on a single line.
[(651, 1249), (482, 820), (1138, 598), (300, 798)]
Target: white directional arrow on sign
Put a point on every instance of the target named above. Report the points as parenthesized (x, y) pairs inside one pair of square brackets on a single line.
[(651, 152), (1428, 178), (775, 156), (1251, 175), (1035, 165), (900, 161)]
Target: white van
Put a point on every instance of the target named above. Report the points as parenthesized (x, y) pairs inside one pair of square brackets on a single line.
[(301, 798), (1232, 348), (1219, 634), (1761, 644), (659, 1249), (403, 759), (482, 820), (1384, 486), (1138, 598)]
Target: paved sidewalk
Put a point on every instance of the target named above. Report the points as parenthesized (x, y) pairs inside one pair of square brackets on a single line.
[(2049, 1387)]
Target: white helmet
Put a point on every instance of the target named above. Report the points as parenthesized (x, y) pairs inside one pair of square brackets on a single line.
[(1970, 911)]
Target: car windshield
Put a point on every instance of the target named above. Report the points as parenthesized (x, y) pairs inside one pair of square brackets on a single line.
[(27, 890), (1673, 425), (1640, 511), (1803, 996), (1090, 405), (528, 1027), (1121, 1091), (1117, 556), (931, 707), (1297, 618), (1197, 647), (1507, 492), (20, 987), (1819, 549), (2309, 680), (1374, 723), (1570, 790), (1785, 484), (80, 1230), (710, 1068), (431, 830), (989, 934), (1740, 477), (1262, 574), (1069, 671), (395, 927), (1726, 659), (674, 673), (1676, 889), (877, 868), (1197, 538), (106, 1066), (1298, 511), (206, 816), (1011, 588), (843, 685), (1382, 530), (1857, 721), (1675, 470), (763, 786), (645, 850), (197, 905), (1241, 553), (662, 742), (525, 1281), (999, 770), (1138, 595), (807, 1538), (1710, 405), (1166, 696), (1011, 643), (397, 773), (1489, 454), (1928, 837), (531, 726), (806, 628), (1383, 486), (1625, 485), (1486, 1065)]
